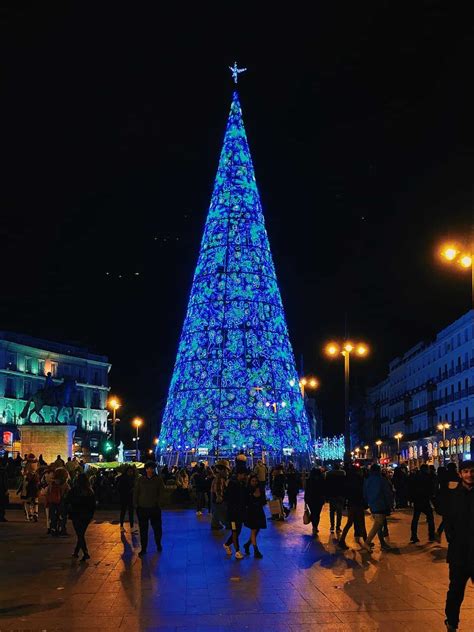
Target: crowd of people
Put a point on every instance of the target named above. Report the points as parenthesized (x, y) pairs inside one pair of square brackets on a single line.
[(235, 497)]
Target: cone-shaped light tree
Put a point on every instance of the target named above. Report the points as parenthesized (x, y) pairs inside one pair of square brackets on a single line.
[(235, 383)]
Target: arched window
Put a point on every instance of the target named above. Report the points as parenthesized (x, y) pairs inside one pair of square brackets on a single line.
[(435, 449), (453, 446), (467, 445), (460, 445)]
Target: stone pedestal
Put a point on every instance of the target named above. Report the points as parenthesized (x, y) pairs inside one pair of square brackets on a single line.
[(48, 440)]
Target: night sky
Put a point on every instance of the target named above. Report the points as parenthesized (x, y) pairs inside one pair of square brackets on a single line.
[(359, 119)]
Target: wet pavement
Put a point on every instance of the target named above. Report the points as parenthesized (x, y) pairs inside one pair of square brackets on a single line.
[(192, 586)]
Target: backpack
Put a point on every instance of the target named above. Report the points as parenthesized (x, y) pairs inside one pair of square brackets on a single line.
[(54, 494)]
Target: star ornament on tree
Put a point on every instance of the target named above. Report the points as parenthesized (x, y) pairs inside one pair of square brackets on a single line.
[(236, 71)]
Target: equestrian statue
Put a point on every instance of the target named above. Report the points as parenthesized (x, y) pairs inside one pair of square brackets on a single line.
[(60, 395)]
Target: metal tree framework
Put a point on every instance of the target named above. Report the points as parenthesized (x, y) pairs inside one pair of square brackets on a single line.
[(235, 384)]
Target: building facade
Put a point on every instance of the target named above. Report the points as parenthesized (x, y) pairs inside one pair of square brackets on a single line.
[(24, 363), (431, 383)]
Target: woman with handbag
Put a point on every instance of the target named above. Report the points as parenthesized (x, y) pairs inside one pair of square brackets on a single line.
[(81, 506), (254, 515), (314, 497)]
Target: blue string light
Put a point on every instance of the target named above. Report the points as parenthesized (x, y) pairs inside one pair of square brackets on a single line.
[(234, 382), (329, 448)]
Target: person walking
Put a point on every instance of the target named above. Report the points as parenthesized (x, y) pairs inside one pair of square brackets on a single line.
[(448, 479), (29, 493), (421, 493), (378, 496), (198, 481), (315, 496), (457, 509), (261, 472), (293, 485), (235, 496), (278, 491), (80, 503), (255, 518), (3, 491), (335, 481), (147, 498), (56, 493), (354, 493), (400, 482), (125, 485), (218, 503)]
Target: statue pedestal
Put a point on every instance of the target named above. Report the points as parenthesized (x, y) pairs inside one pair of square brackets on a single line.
[(47, 439)]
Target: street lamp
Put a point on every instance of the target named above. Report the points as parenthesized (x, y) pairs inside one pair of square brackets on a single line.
[(461, 255), (366, 451), (378, 443), (137, 423), (398, 436), (114, 405), (333, 350), (442, 427), (308, 382)]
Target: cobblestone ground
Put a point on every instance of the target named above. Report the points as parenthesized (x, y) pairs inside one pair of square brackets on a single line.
[(192, 586)]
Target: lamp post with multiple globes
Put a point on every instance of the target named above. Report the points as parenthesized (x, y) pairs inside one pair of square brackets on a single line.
[(442, 427), (461, 255), (333, 350), (398, 436), (114, 405), (308, 382), (378, 443)]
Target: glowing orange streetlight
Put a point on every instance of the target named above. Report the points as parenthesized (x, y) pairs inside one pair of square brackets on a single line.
[(308, 382), (461, 255), (398, 436), (114, 405), (345, 348), (137, 423)]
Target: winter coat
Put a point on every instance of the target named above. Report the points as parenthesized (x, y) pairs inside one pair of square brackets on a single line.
[(354, 490), (378, 494), (458, 513), (278, 486), (125, 485), (254, 514), (335, 484), (261, 472), (315, 491), (235, 496), (148, 492), (421, 488), (80, 506), (293, 481)]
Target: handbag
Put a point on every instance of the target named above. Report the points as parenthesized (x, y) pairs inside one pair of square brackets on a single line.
[(275, 507), (306, 515)]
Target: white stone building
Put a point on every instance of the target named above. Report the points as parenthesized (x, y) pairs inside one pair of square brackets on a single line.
[(431, 383), (24, 363)]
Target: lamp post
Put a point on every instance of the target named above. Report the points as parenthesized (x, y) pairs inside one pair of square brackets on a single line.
[(308, 382), (398, 436), (333, 350), (114, 405), (366, 452), (443, 426), (462, 255), (137, 423), (378, 443)]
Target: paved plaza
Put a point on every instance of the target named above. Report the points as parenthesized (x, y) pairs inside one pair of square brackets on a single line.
[(192, 586)]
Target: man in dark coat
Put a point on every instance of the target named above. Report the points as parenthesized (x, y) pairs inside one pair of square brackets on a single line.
[(421, 492), (3, 491), (125, 485), (235, 495), (335, 490), (457, 509), (147, 498)]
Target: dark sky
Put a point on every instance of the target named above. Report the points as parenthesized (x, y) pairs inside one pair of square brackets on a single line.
[(359, 118)]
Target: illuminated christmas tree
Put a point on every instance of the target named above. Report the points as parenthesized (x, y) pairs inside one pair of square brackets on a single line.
[(234, 383)]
